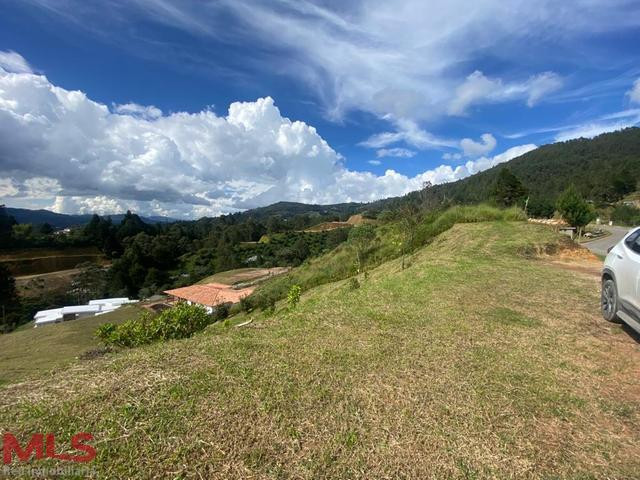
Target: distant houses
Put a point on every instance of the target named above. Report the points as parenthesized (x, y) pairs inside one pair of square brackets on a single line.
[(74, 312), (209, 295)]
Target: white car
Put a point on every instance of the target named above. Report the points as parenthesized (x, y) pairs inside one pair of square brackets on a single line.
[(621, 281)]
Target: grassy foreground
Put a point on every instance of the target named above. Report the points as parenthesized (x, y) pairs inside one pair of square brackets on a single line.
[(475, 362)]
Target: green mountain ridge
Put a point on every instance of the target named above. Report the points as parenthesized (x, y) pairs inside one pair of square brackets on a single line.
[(601, 168)]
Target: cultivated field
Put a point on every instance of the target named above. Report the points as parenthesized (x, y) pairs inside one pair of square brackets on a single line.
[(242, 275), (352, 221), (36, 285), (45, 260), (481, 360)]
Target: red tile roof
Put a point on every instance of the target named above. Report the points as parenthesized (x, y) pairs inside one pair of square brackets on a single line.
[(210, 294)]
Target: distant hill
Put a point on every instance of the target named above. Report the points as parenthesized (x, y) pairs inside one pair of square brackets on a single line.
[(291, 209), (60, 220), (595, 166), (285, 210)]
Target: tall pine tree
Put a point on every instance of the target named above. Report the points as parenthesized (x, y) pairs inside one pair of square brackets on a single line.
[(508, 189)]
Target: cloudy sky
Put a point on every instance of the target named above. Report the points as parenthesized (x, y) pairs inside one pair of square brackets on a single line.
[(188, 108)]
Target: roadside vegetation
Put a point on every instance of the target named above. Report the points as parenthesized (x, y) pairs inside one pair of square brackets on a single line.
[(626, 215), (477, 360)]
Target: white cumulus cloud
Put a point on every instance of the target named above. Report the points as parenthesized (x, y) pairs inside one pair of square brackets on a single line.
[(14, 62), (472, 148), (143, 111), (395, 152), (480, 89), (540, 85), (634, 93), (409, 132)]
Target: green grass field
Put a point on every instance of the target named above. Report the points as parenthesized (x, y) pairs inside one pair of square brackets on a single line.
[(30, 352), (478, 361)]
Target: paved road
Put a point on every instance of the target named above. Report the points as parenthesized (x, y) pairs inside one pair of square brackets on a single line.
[(601, 245)]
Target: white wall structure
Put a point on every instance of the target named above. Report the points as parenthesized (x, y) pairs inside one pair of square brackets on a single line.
[(112, 301), (74, 312)]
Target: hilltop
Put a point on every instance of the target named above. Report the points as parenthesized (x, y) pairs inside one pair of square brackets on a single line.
[(479, 360)]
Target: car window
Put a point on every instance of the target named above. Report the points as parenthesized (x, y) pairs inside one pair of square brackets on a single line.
[(633, 241)]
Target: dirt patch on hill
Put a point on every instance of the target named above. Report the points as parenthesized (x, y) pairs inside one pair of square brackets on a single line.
[(323, 227), (562, 249), (352, 221), (568, 255), (576, 258)]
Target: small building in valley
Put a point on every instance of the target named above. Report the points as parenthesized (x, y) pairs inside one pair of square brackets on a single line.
[(209, 295)]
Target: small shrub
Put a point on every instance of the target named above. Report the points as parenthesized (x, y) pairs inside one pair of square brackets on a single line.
[(246, 304), (293, 297), (268, 305), (221, 312), (354, 284), (181, 321), (235, 309), (270, 309), (106, 332)]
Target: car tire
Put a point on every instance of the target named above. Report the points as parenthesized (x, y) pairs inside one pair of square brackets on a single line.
[(609, 301)]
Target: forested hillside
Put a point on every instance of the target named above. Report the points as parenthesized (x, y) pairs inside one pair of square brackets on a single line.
[(603, 169)]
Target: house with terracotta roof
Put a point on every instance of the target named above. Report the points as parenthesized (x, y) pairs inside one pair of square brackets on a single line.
[(209, 295)]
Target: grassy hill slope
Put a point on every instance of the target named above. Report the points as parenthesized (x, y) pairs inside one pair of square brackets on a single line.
[(475, 362), (31, 351)]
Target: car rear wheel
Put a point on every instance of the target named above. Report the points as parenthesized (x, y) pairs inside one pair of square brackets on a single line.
[(609, 303)]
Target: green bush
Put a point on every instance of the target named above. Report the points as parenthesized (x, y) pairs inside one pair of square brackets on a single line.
[(221, 312), (354, 284), (540, 208), (626, 215), (293, 297), (181, 321), (246, 304)]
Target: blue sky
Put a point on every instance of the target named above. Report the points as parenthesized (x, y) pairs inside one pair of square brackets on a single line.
[(191, 108)]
